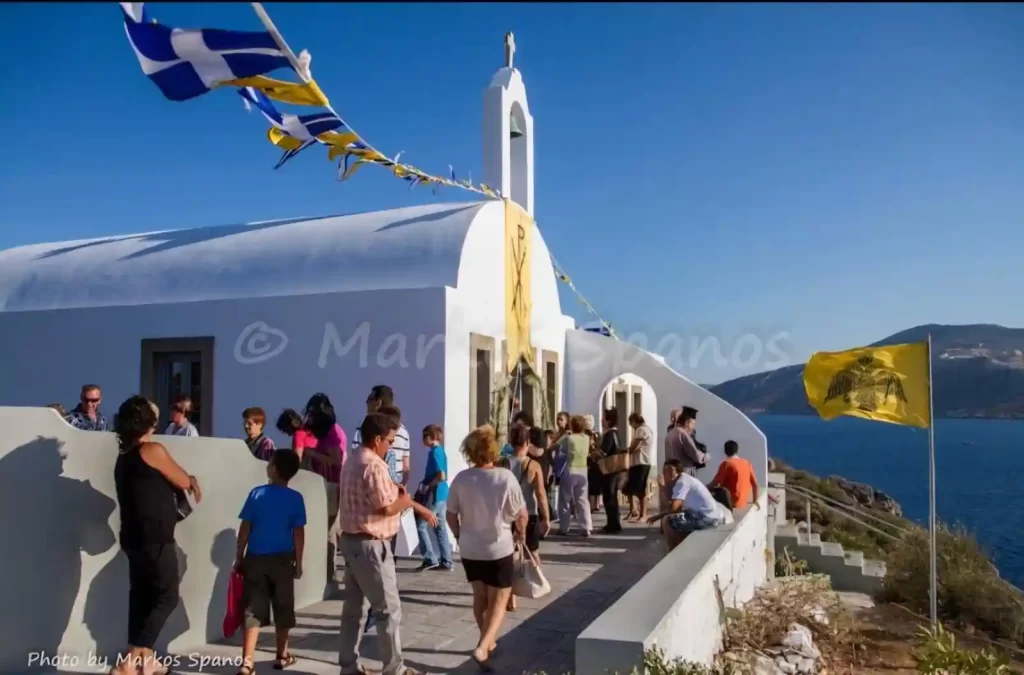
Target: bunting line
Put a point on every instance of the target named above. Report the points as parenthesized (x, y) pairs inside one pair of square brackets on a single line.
[(361, 148), (185, 64), (564, 278)]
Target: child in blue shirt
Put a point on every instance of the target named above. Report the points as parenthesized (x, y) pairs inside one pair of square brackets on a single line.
[(271, 539), (433, 493)]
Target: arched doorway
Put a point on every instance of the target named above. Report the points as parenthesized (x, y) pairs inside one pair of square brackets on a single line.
[(629, 393)]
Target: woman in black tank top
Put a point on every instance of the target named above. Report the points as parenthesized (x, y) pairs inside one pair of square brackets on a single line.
[(147, 481)]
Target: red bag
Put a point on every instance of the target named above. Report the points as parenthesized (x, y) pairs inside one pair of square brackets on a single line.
[(234, 611)]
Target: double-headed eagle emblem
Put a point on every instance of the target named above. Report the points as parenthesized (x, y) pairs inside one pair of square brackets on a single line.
[(866, 384)]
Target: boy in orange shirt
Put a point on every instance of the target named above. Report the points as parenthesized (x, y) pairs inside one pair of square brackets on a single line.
[(737, 476)]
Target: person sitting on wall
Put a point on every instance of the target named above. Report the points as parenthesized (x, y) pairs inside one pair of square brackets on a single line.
[(691, 508), (736, 475)]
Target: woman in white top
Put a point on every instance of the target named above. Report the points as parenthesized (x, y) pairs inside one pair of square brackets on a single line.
[(639, 468), (180, 425), (483, 503)]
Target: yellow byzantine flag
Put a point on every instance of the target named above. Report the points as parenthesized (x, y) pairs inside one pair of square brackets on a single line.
[(887, 384)]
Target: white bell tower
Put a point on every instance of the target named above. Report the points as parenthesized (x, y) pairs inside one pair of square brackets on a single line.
[(508, 133)]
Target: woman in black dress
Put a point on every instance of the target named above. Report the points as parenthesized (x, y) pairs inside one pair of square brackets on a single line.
[(612, 483), (148, 483)]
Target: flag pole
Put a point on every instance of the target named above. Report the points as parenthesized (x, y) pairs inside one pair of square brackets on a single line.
[(933, 573)]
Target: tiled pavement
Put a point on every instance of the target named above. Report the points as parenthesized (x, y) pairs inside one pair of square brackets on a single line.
[(438, 631)]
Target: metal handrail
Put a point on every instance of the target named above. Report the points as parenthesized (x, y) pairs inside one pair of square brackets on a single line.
[(810, 496), (835, 503), (852, 508)]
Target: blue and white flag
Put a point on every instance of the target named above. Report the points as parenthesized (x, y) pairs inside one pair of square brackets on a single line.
[(291, 133), (301, 127), (185, 64)]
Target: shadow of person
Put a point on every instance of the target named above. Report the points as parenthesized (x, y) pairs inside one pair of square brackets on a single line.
[(106, 609), (222, 555), (48, 521), (177, 623)]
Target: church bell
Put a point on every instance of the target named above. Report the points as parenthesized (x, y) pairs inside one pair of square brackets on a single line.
[(513, 126)]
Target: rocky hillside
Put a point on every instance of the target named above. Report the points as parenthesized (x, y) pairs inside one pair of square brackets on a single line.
[(978, 371)]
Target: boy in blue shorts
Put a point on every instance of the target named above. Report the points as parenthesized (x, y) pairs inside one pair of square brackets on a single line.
[(269, 557)]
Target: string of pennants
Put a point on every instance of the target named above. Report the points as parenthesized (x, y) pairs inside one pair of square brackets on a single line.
[(187, 63), (564, 278)]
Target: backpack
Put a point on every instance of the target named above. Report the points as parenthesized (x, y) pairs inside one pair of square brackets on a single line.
[(721, 495)]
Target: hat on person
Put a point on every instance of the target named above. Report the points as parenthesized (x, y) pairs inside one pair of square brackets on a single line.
[(687, 413)]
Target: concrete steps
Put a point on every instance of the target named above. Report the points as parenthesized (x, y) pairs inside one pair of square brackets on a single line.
[(849, 570)]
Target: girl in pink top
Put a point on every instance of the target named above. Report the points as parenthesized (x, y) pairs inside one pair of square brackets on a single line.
[(326, 456), (291, 424)]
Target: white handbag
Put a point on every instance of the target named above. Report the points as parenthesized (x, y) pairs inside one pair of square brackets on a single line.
[(529, 581)]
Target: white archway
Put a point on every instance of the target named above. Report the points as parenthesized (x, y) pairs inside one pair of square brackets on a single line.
[(630, 393)]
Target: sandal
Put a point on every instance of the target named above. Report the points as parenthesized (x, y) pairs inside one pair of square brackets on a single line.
[(248, 668), (285, 661)]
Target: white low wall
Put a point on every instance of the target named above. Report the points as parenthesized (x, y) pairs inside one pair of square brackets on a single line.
[(64, 581), (674, 606)]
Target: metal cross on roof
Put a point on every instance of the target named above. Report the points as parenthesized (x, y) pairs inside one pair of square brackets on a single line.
[(510, 49)]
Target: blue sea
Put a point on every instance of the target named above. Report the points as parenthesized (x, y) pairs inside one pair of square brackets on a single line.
[(979, 470)]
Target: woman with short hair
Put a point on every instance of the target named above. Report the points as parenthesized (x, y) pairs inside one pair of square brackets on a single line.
[(181, 414), (595, 479), (639, 467), (260, 445), (148, 482), (571, 465), (483, 503)]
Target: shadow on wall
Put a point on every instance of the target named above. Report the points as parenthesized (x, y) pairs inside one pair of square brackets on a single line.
[(106, 608), (222, 555), (48, 521), (106, 605)]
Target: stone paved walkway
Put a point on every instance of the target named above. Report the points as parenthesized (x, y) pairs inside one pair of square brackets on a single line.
[(438, 631)]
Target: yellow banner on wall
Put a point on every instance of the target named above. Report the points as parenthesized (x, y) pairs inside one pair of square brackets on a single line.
[(518, 296)]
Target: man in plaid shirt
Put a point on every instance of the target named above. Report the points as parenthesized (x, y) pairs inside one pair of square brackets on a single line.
[(371, 510)]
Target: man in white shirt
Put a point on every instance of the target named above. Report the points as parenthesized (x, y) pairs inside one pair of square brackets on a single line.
[(400, 446), (691, 507)]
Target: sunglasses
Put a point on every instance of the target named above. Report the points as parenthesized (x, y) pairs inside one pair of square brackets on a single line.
[(92, 400)]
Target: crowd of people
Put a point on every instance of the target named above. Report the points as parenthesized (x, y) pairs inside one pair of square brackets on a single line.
[(506, 498)]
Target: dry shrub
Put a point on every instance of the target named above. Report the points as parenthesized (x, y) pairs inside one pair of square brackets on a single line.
[(971, 592), (806, 600)]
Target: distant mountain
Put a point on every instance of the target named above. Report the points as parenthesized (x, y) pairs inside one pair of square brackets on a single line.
[(978, 372)]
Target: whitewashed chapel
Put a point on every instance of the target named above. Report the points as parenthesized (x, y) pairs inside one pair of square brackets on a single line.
[(441, 302)]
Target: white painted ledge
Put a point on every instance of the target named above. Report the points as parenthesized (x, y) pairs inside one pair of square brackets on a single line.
[(675, 605)]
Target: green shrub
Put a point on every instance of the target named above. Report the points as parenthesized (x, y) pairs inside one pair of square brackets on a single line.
[(940, 655), (970, 590)]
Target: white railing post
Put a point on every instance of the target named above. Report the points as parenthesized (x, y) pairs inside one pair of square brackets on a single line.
[(807, 506)]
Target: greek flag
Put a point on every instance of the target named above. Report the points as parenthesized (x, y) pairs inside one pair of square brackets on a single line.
[(291, 133), (301, 127), (188, 63)]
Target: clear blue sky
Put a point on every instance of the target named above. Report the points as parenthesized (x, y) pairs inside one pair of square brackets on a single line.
[(836, 172)]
